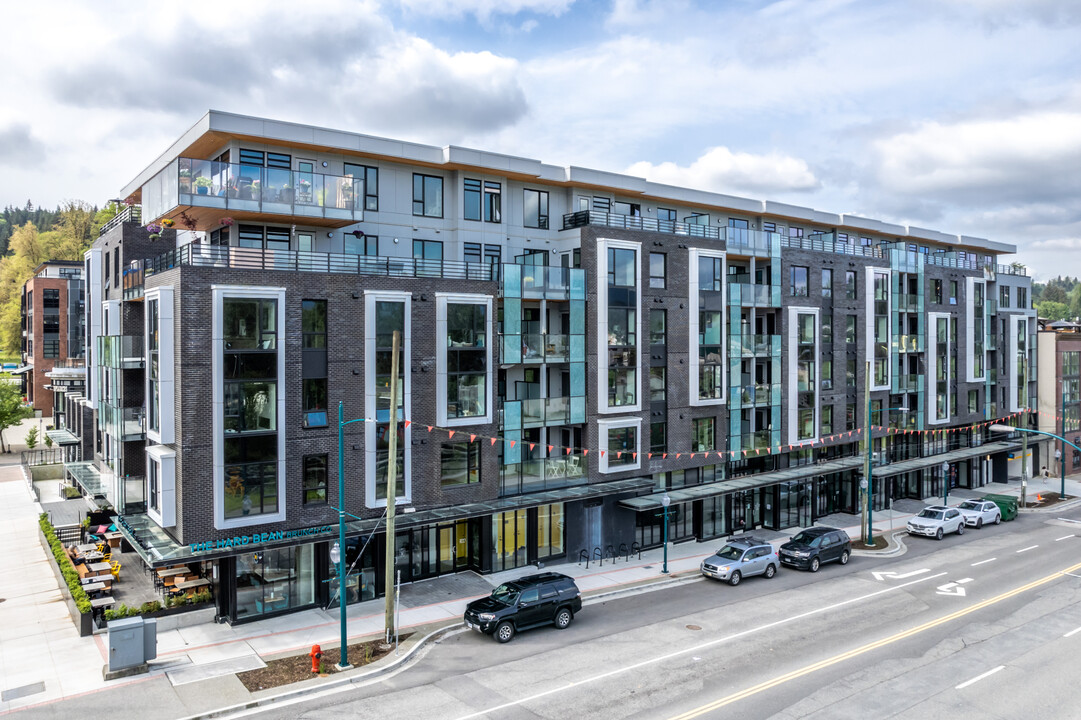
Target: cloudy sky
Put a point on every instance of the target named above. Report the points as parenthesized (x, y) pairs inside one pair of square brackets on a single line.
[(958, 115)]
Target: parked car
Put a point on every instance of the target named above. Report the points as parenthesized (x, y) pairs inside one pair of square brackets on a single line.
[(530, 601), (937, 520), (814, 546), (979, 512), (742, 557)]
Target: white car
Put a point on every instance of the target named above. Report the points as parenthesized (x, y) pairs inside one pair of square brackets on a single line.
[(937, 520), (979, 512)]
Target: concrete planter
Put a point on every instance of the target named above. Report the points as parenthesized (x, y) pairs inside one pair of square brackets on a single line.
[(84, 623), (176, 618)]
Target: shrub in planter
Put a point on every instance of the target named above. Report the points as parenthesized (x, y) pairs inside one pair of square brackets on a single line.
[(67, 570)]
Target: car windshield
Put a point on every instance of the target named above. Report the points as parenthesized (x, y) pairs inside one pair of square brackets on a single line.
[(932, 514), (807, 538), (970, 505), (506, 594), (729, 552)]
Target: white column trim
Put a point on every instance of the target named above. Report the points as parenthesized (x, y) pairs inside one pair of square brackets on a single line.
[(869, 335), (793, 376), (602, 325), (932, 369), (370, 299)]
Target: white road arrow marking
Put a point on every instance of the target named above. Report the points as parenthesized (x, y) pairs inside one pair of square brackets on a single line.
[(889, 574), (953, 589)]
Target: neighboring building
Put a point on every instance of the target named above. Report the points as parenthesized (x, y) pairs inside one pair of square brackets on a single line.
[(576, 344), (1060, 392), (52, 334)]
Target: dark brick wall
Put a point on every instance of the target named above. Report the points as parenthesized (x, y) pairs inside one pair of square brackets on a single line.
[(192, 287)]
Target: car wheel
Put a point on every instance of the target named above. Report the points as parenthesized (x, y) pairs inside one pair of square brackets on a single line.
[(938, 534), (961, 528), (734, 578), (770, 571), (844, 558), (815, 564), (563, 618), (998, 519), (979, 523), (504, 632)]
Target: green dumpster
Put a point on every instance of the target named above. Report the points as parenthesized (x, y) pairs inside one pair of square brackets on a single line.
[(1007, 504)]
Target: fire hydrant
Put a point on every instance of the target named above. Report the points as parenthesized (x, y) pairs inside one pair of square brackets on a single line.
[(315, 655)]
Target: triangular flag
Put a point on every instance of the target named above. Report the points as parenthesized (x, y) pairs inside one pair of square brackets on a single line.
[(450, 433), (568, 451), (429, 428), (678, 455), (472, 437), (664, 456), (513, 442), (649, 456), (585, 451), (634, 456), (407, 422), (550, 449), (493, 440), (531, 446), (602, 453), (619, 455)]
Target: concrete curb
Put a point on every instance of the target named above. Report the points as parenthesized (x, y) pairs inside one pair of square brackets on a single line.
[(683, 578), (894, 548)]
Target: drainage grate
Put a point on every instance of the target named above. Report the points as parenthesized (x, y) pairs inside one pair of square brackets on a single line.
[(21, 692)]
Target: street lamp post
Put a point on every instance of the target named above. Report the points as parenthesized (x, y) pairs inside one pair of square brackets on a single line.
[(1010, 428), (665, 501), (337, 553), (945, 483), (1062, 450)]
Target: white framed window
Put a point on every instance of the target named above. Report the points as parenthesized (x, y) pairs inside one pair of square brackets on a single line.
[(621, 440), (384, 312), (706, 336), (161, 485), (159, 383), (465, 375)]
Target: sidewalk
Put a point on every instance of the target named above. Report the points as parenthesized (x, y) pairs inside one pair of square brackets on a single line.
[(44, 661)]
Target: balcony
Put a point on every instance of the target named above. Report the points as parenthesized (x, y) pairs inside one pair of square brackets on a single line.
[(766, 394), (542, 412), (635, 222), (908, 302), (131, 213), (198, 255), (908, 383), (132, 280), (121, 351), (756, 345), (754, 295), (908, 343), (209, 191), (548, 473), (757, 440), (993, 306), (125, 423), (542, 282)]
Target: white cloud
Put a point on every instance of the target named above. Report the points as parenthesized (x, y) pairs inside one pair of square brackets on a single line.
[(483, 10), (722, 170), (1029, 157)]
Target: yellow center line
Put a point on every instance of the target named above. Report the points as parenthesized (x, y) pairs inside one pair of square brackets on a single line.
[(716, 704)]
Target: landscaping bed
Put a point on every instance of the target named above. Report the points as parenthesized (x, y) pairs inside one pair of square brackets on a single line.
[(294, 669)]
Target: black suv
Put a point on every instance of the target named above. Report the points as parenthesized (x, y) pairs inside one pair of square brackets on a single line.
[(524, 603), (814, 546)]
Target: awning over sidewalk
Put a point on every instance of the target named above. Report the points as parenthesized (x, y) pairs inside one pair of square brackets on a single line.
[(86, 476), (158, 549), (62, 436), (747, 482), (21, 370), (953, 456)]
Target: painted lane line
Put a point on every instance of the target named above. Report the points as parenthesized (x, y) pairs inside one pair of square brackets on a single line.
[(1030, 547), (981, 562), (828, 662), (677, 653), (891, 575), (1065, 537), (1072, 632), (976, 679)]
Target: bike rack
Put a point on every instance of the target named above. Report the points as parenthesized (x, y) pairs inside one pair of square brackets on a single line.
[(635, 548), (624, 551), (609, 551), (597, 555), (583, 554)]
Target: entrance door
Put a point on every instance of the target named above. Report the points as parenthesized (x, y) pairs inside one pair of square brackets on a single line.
[(448, 548)]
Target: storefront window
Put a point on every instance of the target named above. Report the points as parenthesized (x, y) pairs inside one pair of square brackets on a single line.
[(274, 580), (509, 540)]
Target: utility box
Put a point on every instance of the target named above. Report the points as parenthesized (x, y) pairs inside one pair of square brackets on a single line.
[(132, 642)]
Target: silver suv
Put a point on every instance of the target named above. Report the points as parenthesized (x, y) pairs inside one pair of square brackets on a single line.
[(936, 520), (742, 557)]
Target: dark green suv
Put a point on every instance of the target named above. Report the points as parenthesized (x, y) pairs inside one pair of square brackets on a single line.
[(814, 546), (543, 599)]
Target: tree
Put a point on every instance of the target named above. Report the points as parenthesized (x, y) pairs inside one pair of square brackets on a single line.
[(32, 438), (1052, 310), (12, 409), (1054, 293)]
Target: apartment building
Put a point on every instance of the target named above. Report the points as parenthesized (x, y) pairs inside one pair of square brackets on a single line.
[(577, 345), (1059, 391), (51, 311)]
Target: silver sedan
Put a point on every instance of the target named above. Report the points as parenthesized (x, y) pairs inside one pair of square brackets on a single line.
[(978, 513)]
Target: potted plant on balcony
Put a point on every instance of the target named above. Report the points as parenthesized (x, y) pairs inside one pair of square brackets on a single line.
[(202, 185), (185, 180)]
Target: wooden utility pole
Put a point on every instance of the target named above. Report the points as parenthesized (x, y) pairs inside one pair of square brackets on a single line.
[(392, 482)]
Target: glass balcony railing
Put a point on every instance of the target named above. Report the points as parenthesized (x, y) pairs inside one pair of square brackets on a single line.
[(750, 294), (758, 440), (133, 280), (907, 302), (542, 281), (126, 424), (908, 343), (756, 345), (121, 351), (537, 348), (909, 383), (766, 394), (541, 412), (234, 186)]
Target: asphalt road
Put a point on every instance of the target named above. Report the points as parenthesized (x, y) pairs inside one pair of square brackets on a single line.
[(982, 625)]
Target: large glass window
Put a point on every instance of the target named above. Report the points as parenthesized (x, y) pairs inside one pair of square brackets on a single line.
[(711, 358), (850, 285), (389, 316), (710, 274), (621, 268), (550, 529), (315, 479), (536, 209), (271, 581), (466, 360), (702, 434), (657, 270), (657, 329), (622, 327), (658, 437), (427, 195), (460, 463), (827, 283), (370, 176), (153, 402), (622, 445), (797, 285), (657, 384)]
